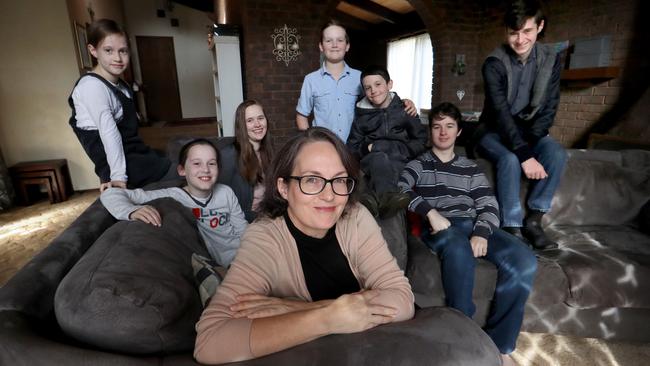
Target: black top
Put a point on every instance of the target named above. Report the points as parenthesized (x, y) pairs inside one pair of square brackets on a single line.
[(517, 133), (230, 175), (326, 269), (523, 78)]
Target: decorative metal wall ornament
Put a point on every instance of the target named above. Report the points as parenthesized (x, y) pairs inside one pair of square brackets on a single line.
[(285, 44)]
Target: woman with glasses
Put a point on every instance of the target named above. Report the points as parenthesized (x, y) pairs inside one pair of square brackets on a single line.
[(314, 263)]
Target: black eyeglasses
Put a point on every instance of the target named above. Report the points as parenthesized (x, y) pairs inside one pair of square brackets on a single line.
[(313, 184)]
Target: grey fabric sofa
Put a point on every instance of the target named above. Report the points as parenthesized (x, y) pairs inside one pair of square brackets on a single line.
[(123, 293), (597, 283)]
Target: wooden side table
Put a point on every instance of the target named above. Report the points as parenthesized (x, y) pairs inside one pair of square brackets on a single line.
[(53, 174)]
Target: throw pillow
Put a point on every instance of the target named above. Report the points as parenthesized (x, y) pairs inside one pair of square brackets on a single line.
[(133, 291), (208, 275)]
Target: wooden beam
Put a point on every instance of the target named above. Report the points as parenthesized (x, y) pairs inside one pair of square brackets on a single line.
[(412, 24), (349, 21), (372, 7)]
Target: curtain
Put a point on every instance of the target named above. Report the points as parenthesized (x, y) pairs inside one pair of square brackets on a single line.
[(410, 64)]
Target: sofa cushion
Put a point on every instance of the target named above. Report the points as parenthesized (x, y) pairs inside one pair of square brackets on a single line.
[(134, 291), (551, 285), (643, 220), (394, 231), (606, 266), (425, 277), (599, 192)]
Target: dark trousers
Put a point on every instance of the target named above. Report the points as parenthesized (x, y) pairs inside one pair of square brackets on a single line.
[(548, 152), (382, 171), (516, 266)]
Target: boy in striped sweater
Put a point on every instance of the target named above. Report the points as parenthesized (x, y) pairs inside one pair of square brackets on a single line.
[(457, 205)]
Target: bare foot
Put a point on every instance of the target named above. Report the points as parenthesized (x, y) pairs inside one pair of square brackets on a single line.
[(506, 360)]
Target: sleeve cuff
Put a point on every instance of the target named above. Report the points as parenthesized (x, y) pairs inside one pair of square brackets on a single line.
[(481, 231), (423, 209), (523, 153)]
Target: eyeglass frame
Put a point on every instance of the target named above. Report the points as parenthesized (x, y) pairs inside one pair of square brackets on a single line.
[(330, 181)]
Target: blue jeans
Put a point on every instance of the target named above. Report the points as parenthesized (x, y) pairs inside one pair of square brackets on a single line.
[(516, 266), (508, 179)]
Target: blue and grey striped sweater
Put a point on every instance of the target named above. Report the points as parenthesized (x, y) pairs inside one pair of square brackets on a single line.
[(457, 188)]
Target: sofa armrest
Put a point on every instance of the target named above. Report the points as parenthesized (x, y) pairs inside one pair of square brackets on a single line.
[(31, 290), (435, 336), (22, 345)]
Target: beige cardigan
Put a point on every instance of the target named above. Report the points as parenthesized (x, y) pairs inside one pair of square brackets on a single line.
[(268, 263)]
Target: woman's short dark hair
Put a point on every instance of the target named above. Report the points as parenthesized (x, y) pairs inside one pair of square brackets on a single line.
[(445, 109), (102, 28), (273, 204), (182, 155)]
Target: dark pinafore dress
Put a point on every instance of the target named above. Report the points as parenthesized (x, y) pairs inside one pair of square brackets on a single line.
[(143, 165)]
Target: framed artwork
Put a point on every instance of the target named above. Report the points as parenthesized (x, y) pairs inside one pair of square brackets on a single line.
[(82, 49)]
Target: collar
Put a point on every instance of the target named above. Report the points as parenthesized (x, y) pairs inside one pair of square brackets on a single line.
[(365, 103), (531, 58), (203, 202), (323, 70), (438, 160)]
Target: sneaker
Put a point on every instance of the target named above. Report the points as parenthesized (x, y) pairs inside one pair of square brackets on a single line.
[(533, 231), (516, 232)]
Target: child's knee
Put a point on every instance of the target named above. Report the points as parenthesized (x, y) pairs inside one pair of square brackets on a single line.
[(509, 161)]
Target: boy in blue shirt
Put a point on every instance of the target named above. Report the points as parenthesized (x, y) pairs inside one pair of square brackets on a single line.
[(331, 91)]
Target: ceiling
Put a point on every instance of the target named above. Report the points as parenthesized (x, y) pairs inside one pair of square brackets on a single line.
[(375, 11), (384, 17)]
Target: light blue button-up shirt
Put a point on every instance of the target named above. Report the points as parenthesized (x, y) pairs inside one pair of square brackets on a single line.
[(331, 100)]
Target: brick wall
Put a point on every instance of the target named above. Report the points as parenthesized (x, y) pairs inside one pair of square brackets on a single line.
[(458, 34), (273, 83), (472, 28)]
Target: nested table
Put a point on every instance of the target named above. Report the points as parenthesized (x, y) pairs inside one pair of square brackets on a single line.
[(53, 174)]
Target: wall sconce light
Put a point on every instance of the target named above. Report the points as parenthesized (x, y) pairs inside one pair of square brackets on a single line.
[(459, 65), (285, 44)]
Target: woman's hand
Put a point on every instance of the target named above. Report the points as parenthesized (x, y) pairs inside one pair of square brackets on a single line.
[(357, 312), (254, 306), (113, 183), (479, 246), (437, 221), (147, 214)]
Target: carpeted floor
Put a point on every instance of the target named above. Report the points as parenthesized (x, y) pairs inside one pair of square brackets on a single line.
[(24, 231)]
